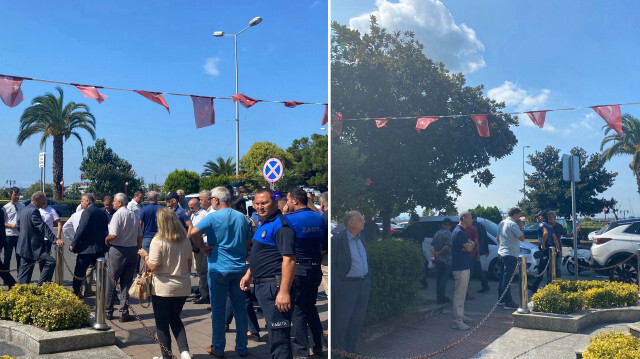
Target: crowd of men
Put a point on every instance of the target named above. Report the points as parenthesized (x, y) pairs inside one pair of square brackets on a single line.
[(277, 257)]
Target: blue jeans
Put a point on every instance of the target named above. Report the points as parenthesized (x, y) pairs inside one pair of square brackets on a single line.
[(506, 271), (146, 243), (221, 285)]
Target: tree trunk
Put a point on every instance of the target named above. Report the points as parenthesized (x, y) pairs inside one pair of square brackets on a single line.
[(385, 215), (57, 166), (638, 181)]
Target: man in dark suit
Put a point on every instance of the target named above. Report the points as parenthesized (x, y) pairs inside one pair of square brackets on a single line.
[(88, 242), (350, 283), (6, 276), (34, 241)]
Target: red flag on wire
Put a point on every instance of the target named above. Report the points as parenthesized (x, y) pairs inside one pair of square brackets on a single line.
[(482, 124), (611, 115), (155, 97), (10, 91), (423, 122), (537, 117), (203, 111), (336, 126), (381, 122), (245, 101), (325, 115), (292, 104), (91, 92)]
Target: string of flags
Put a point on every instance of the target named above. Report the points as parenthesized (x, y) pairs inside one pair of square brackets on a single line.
[(611, 114), (12, 95)]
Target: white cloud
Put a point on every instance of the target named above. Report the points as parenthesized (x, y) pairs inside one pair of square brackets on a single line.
[(211, 66), (519, 99), (455, 45), (588, 123)]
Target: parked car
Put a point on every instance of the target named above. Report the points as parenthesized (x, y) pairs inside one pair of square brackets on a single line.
[(614, 243), (491, 263), (62, 209)]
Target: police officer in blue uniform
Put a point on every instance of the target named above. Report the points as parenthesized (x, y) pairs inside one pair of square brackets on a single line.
[(310, 235), (271, 268)]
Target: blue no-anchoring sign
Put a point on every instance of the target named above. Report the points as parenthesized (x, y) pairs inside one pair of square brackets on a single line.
[(272, 170)]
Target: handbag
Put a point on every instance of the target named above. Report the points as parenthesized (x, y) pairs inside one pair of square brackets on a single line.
[(141, 286)]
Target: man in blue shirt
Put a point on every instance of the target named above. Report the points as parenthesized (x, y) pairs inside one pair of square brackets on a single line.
[(227, 233), (461, 262), (148, 220), (546, 239)]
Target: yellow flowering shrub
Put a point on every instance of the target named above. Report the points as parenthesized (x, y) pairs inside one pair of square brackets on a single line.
[(614, 344), (564, 296), (50, 307)]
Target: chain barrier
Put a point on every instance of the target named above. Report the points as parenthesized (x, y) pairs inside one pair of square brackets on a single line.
[(545, 269), (30, 264), (445, 349), (603, 268), (64, 260)]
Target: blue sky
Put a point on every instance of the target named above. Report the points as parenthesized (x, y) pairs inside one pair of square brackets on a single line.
[(535, 56), (165, 46)]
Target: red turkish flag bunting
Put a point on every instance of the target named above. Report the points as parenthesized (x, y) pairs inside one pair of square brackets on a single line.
[(292, 104), (91, 92), (203, 111), (482, 123), (10, 91), (423, 122), (336, 126), (537, 117), (611, 115), (245, 101), (155, 97), (381, 122), (325, 115)]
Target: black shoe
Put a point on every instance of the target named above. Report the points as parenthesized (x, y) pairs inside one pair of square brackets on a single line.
[(253, 337), (109, 316), (202, 300), (126, 317), (484, 290)]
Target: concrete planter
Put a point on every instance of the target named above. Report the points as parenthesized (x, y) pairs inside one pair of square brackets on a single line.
[(576, 322), (40, 341)]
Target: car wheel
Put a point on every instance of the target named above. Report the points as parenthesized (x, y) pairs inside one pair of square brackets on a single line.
[(571, 268), (624, 272), (494, 269)]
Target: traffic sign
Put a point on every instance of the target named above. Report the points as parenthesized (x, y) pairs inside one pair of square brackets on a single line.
[(41, 160), (272, 170)]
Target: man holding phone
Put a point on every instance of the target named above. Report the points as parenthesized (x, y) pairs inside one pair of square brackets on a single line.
[(461, 248)]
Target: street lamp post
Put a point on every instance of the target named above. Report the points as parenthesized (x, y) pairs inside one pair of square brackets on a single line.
[(126, 184), (255, 21), (523, 176), (62, 184)]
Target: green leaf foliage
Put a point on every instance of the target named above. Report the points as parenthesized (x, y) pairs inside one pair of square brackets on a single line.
[(48, 187), (626, 145), (546, 190), (49, 307), (188, 181), (490, 213), (220, 167), (393, 169), (612, 345), (310, 161), (564, 296), (107, 172), (212, 181), (253, 161), (395, 280)]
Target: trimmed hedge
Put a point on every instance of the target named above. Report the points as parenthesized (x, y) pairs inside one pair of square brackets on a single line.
[(564, 296), (614, 344), (49, 307), (396, 266)]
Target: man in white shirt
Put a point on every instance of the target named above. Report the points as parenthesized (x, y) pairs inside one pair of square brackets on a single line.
[(11, 211), (70, 226), (201, 267), (50, 216), (205, 201), (135, 205)]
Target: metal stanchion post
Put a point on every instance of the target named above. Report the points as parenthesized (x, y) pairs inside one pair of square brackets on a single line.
[(637, 267), (101, 276), (59, 270), (524, 292), (552, 254)]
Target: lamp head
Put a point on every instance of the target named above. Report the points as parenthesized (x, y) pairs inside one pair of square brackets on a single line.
[(255, 21), (218, 33)]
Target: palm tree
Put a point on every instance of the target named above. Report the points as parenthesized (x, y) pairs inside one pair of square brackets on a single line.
[(49, 117), (223, 167), (627, 144)]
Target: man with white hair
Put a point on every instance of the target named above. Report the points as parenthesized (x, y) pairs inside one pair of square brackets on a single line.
[(205, 201), (197, 215), (124, 240)]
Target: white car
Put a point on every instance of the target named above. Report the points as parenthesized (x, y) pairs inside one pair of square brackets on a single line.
[(490, 263), (614, 243)]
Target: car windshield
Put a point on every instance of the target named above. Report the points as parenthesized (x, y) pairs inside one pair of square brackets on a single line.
[(491, 227), (531, 226)]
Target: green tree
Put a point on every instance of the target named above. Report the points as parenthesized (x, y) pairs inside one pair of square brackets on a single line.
[(386, 74), (625, 145), (220, 167), (211, 182), (490, 213), (546, 190), (311, 161), (50, 117), (107, 172), (253, 161), (48, 187), (188, 181), (73, 192)]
